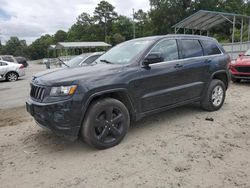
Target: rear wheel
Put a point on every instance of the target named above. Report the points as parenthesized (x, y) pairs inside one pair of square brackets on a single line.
[(106, 123), (236, 80), (215, 96), (12, 77)]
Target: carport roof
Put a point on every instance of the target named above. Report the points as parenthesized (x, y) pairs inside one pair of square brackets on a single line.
[(67, 45), (205, 20)]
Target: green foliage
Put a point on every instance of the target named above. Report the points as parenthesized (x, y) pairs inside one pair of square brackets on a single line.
[(159, 20), (14, 47)]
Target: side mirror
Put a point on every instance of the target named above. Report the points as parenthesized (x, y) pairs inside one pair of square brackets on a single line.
[(241, 54), (153, 58)]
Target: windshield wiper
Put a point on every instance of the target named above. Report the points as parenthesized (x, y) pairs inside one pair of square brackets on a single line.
[(106, 61), (63, 62)]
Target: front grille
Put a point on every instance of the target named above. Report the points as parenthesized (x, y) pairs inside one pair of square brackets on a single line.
[(243, 69), (37, 92)]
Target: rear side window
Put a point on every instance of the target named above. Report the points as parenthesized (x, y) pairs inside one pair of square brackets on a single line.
[(210, 47), (190, 48)]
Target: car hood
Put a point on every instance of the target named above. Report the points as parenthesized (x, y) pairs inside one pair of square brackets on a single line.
[(243, 60), (68, 75)]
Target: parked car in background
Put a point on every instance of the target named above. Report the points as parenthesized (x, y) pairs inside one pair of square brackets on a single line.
[(130, 81), (22, 60), (11, 71), (8, 58), (240, 68), (83, 59)]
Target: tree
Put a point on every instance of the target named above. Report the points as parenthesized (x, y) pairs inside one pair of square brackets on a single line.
[(38, 49), (104, 15), (85, 19), (15, 47), (60, 36), (118, 38), (143, 25), (124, 26)]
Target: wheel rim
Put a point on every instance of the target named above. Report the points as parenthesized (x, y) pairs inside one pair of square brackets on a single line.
[(217, 96), (109, 125), (12, 77)]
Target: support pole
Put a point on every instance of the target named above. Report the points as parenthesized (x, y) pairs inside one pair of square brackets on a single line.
[(248, 34), (241, 33), (184, 30), (175, 30), (233, 38), (134, 23)]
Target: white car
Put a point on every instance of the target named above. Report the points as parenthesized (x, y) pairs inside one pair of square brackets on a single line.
[(11, 71)]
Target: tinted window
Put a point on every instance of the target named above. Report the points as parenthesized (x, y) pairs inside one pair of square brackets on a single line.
[(3, 64), (90, 59), (168, 48), (9, 59), (190, 48), (210, 47)]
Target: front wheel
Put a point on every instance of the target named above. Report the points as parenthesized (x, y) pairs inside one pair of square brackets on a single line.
[(106, 123), (215, 96)]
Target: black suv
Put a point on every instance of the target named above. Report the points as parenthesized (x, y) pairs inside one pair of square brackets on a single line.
[(132, 80)]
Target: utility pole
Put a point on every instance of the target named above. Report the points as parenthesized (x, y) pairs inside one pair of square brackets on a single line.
[(134, 23)]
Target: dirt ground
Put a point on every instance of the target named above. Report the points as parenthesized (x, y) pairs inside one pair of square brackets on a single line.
[(177, 148)]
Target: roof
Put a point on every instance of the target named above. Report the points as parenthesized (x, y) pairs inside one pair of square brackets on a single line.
[(205, 20), (67, 45), (51, 47)]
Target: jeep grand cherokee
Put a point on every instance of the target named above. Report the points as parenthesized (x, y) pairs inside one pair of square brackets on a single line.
[(132, 80)]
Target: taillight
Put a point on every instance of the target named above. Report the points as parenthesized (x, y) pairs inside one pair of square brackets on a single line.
[(21, 66)]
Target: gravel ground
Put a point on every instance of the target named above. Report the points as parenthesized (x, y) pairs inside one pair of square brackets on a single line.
[(177, 148)]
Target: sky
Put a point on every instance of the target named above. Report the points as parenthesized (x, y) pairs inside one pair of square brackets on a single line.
[(29, 19)]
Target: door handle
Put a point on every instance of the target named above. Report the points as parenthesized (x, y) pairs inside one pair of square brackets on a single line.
[(178, 66)]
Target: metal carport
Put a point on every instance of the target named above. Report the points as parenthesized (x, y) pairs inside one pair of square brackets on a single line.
[(204, 20)]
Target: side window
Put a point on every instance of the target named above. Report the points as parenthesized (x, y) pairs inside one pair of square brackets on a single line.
[(3, 64), (168, 48), (210, 47), (9, 59), (90, 60), (190, 48)]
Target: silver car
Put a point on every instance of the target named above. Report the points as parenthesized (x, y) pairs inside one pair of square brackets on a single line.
[(11, 71), (83, 59)]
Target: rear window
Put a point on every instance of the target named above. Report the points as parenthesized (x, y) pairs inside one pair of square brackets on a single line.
[(7, 58), (210, 47), (190, 48)]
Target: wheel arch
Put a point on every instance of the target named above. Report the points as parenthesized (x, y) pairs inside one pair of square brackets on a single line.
[(10, 72), (119, 94), (223, 76)]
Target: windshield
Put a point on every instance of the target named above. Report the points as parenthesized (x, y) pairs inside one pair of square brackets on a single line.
[(125, 52), (76, 61), (247, 52)]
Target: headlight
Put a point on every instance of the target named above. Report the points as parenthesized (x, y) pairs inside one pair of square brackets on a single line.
[(63, 90)]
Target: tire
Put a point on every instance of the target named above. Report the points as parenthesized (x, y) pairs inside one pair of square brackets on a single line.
[(105, 124), (236, 80), (12, 77), (215, 96)]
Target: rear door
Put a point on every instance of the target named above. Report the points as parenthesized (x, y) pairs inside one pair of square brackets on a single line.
[(193, 68)]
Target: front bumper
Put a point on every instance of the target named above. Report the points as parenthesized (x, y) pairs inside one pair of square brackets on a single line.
[(63, 118), (237, 75)]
